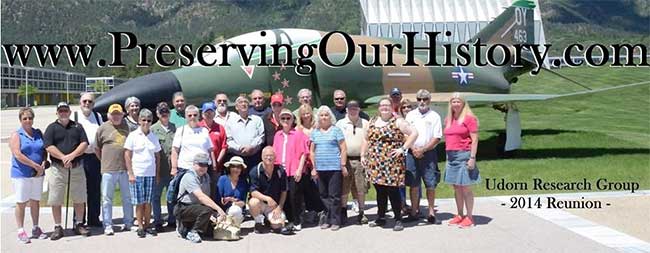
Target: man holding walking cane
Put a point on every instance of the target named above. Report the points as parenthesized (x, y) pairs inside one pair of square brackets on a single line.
[(66, 141)]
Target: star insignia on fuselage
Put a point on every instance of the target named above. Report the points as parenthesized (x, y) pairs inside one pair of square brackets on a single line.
[(462, 76)]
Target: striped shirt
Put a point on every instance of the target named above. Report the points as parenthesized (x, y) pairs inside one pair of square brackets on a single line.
[(326, 148)]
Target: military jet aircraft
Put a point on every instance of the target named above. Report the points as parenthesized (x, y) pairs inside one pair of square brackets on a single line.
[(487, 84)]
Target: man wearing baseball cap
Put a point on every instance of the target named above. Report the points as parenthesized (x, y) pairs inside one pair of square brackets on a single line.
[(109, 148), (195, 208), (395, 99), (272, 119), (217, 135), (165, 131), (66, 141)]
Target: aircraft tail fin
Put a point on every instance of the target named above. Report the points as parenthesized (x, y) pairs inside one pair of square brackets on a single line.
[(514, 26)]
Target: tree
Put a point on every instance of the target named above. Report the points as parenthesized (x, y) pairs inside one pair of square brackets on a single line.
[(30, 89), (100, 86)]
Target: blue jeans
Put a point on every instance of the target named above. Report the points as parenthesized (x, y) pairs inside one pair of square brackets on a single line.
[(156, 205), (109, 180)]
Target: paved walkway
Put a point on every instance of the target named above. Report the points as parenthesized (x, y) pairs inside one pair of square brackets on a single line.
[(499, 229)]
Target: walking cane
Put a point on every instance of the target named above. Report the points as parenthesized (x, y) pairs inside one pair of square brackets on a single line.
[(67, 199)]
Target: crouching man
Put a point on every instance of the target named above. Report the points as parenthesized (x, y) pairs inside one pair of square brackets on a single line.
[(268, 187), (195, 208)]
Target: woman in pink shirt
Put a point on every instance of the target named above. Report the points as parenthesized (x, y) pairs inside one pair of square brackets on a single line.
[(461, 141), (290, 146)]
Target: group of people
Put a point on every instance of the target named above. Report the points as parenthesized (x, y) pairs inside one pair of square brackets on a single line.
[(277, 165)]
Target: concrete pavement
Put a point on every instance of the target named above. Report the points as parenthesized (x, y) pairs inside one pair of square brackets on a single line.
[(499, 229)]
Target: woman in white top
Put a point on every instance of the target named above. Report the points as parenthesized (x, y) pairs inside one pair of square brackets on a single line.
[(142, 155), (190, 140)]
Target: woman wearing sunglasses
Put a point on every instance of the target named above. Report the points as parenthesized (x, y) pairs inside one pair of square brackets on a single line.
[(28, 163)]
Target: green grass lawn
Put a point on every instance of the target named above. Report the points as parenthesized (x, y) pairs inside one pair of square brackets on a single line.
[(604, 135)]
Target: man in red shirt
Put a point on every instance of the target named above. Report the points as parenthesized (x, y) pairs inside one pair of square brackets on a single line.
[(272, 119), (218, 137)]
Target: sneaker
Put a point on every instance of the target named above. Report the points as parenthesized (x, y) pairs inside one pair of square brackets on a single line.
[(355, 206), (335, 227), (362, 219), (297, 227), (23, 237), (193, 236), (152, 231), (37, 233), (466, 223), (431, 219), (81, 229), (456, 220), (259, 228), (109, 231), (171, 225), (141, 233), (398, 226), (57, 234), (325, 226), (379, 222)]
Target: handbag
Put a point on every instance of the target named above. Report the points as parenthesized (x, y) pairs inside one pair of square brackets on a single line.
[(226, 229)]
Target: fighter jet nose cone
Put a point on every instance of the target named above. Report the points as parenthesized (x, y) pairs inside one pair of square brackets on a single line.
[(150, 89)]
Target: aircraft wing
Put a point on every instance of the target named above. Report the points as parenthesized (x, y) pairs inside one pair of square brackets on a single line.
[(443, 97)]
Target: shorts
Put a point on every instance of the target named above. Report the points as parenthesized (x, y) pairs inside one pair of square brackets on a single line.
[(27, 188), (356, 179), (142, 190), (268, 213), (57, 179), (423, 169)]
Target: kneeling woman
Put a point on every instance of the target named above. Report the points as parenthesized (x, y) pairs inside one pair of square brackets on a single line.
[(232, 190), (461, 141), (142, 155)]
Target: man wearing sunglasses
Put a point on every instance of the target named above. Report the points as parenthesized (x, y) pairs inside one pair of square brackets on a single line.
[(222, 114), (90, 121), (340, 108), (165, 131), (66, 141), (421, 160)]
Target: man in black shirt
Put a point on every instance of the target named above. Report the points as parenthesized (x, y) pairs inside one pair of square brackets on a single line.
[(340, 109), (66, 142), (268, 188)]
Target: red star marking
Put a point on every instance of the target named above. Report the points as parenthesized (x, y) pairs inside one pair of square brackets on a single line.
[(249, 71), (282, 67), (288, 100), (276, 76), (285, 83)]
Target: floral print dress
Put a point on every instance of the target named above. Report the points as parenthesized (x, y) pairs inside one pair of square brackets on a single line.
[(382, 169)]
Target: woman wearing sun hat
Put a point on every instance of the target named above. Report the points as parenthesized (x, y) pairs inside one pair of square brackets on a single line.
[(232, 190)]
